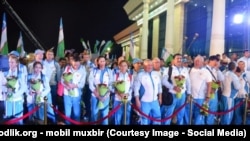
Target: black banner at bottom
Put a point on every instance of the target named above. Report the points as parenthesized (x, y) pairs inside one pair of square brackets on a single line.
[(115, 132)]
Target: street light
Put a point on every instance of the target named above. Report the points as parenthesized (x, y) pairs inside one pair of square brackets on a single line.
[(107, 53), (243, 19), (238, 18)]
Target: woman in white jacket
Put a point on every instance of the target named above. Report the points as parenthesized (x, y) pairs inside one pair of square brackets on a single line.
[(36, 95), (101, 75), (15, 89), (120, 97)]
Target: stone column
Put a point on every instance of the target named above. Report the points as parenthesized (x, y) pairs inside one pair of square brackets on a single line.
[(179, 14), (124, 51), (218, 28), (155, 41), (169, 34), (144, 40)]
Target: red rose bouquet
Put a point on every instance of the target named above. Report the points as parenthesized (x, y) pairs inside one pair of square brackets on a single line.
[(179, 81)]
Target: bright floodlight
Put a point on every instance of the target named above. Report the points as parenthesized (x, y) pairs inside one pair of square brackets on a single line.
[(238, 18)]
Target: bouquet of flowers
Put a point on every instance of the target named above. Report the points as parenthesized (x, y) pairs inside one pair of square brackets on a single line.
[(68, 78), (215, 86), (179, 81), (36, 86), (120, 86), (11, 84), (204, 106), (102, 90)]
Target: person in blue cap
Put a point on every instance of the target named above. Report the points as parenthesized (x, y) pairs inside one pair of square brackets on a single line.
[(136, 66), (39, 56), (15, 90), (21, 66), (135, 69)]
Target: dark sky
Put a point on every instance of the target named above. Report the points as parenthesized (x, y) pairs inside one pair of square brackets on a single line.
[(88, 19)]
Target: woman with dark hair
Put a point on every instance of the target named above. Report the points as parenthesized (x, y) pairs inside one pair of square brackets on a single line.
[(100, 83), (38, 89), (125, 77)]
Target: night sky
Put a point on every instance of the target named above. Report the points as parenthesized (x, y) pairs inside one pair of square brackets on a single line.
[(88, 19)]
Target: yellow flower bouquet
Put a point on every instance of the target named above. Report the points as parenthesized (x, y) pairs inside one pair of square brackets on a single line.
[(11, 84), (179, 81), (120, 88), (36, 86), (102, 90), (205, 106), (215, 85), (68, 78)]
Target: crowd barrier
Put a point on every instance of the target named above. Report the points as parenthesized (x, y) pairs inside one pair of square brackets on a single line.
[(191, 102)]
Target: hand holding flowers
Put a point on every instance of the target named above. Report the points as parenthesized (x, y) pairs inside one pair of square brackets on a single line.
[(215, 85), (205, 106), (11, 85), (36, 85), (101, 93), (120, 89), (68, 79), (179, 81)]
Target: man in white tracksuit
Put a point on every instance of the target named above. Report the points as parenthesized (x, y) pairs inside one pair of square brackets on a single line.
[(147, 92)]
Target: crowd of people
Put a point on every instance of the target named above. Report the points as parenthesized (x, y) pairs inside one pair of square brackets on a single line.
[(91, 88)]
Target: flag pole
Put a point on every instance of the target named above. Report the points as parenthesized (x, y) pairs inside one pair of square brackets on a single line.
[(194, 38), (21, 24), (183, 46)]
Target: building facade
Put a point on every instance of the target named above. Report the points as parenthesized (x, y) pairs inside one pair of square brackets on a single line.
[(205, 27)]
